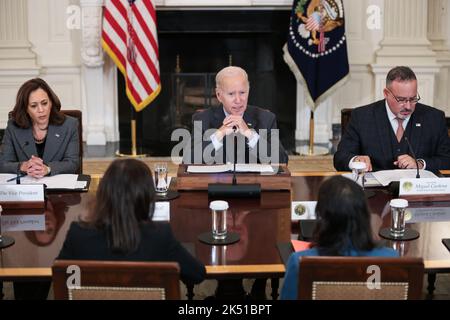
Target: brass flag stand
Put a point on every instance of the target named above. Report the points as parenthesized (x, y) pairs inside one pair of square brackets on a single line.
[(312, 150), (133, 140)]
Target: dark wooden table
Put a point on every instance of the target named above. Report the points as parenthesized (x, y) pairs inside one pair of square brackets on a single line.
[(261, 223)]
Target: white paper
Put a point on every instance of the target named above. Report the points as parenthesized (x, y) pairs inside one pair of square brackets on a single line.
[(387, 176), (59, 181), (23, 222), (369, 179), (240, 167), (303, 210), (162, 211)]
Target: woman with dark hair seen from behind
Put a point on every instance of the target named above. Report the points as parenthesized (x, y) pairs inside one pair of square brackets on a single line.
[(39, 140), (343, 229), (121, 227)]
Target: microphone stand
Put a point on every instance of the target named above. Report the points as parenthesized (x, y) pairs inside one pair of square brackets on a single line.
[(234, 190), (234, 182), (414, 156)]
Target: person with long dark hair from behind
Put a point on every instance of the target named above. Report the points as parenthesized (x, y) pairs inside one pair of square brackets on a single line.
[(121, 226), (343, 229)]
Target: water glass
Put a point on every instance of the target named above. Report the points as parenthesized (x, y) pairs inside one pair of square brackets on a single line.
[(398, 208), (358, 171), (161, 182), (219, 219)]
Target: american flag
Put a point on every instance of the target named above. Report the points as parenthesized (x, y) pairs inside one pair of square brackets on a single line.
[(129, 37)]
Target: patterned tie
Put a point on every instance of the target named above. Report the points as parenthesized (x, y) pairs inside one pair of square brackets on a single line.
[(400, 129)]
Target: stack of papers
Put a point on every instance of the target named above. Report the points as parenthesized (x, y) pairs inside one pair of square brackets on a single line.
[(384, 177), (240, 167), (59, 181)]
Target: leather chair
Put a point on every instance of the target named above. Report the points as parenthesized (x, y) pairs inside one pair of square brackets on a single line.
[(77, 115), (350, 278), (114, 280)]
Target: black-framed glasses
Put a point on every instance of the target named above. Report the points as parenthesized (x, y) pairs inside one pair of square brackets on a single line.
[(402, 101)]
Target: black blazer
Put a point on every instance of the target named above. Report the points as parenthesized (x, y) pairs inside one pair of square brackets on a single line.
[(255, 117), (368, 133), (157, 244)]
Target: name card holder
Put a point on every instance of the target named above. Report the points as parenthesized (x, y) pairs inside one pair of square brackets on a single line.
[(425, 189), (22, 196)]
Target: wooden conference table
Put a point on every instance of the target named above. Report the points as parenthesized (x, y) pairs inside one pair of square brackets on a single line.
[(262, 224)]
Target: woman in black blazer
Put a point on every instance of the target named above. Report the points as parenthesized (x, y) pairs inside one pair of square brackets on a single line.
[(121, 227)]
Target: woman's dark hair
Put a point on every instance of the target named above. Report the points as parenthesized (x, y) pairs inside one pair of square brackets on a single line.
[(343, 218), (20, 114), (125, 199)]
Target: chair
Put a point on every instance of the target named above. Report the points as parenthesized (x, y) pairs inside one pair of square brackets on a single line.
[(346, 114), (348, 278), (77, 115), (114, 280)]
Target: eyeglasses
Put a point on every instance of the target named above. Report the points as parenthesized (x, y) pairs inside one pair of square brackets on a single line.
[(403, 101)]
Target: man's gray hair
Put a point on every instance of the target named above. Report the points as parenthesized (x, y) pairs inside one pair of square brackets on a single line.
[(400, 73), (230, 71)]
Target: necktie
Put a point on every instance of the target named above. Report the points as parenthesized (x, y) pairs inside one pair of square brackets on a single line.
[(400, 129)]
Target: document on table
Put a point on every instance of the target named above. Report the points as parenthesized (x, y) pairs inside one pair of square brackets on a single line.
[(240, 167), (384, 177), (59, 181), (387, 176)]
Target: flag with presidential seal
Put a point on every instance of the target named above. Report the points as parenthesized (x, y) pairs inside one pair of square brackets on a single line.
[(316, 49)]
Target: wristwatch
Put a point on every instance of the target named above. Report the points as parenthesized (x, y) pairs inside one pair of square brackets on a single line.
[(48, 170)]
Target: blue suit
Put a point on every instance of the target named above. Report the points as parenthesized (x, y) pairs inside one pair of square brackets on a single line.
[(290, 285)]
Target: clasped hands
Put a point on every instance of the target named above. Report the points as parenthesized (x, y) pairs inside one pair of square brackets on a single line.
[(34, 167), (404, 161), (232, 121)]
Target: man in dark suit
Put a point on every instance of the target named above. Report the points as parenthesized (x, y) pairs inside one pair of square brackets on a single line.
[(254, 128), (378, 134)]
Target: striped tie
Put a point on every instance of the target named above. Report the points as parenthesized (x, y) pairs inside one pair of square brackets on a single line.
[(400, 129)]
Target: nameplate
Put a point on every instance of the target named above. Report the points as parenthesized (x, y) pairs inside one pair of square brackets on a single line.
[(26, 222), (22, 193), (162, 211), (424, 186), (303, 210)]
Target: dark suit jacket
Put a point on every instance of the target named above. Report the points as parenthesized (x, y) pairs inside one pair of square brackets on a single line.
[(61, 151), (256, 118), (157, 244), (368, 133)]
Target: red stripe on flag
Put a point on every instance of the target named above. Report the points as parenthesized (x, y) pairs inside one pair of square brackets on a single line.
[(138, 86), (117, 28), (115, 50), (146, 29)]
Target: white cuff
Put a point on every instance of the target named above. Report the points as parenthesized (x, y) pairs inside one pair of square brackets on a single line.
[(424, 163), (253, 140), (216, 143), (351, 160)]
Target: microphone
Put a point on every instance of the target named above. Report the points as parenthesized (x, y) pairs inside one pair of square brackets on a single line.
[(234, 182), (234, 190), (414, 156), (17, 177)]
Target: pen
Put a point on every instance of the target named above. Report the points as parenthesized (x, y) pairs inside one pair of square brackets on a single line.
[(17, 177)]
